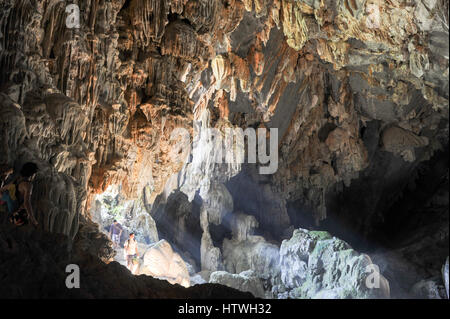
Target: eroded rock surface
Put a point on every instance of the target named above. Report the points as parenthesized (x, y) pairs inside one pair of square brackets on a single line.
[(317, 265), (27, 249), (114, 88), (428, 289), (160, 261), (245, 281)]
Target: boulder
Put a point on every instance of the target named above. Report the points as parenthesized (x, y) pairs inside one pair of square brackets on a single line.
[(246, 281), (428, 289), (247, 251), (162, 262), (197, 279), (316, 265), (254, 253)]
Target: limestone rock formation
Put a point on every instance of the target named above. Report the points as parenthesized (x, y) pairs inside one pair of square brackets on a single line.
[(25, 251), (256, 254), (317, 265), (311, 264), (93, 242), (216, 205), (147, 67), (131, 214), (245, 251), (160, 261), (402, 142), (245, 281), (428, 289)]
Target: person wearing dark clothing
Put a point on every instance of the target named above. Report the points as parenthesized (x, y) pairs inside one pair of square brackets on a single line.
[(115, 231), (17, 195)]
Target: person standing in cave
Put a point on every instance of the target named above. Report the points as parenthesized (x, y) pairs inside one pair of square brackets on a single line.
[(131, 253), (115, 231), (19, 203)]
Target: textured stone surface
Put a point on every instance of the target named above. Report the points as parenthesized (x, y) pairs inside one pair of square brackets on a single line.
[(131, 214), (162, 262), (245, 281), (246, 251), (317, 265), (143, 70), (255, 254), (26, 250), (428, 289)]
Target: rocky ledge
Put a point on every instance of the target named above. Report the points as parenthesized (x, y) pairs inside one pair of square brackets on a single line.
[(33, 265)]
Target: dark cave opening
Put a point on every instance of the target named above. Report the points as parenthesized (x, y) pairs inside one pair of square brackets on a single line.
[(220, 232), (388, 214), (423, 205), (397, 217), (252, 196), (301, 215)]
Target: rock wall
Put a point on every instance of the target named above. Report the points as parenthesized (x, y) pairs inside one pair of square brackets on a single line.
[(161, 262), (316, 265), (311, 264), (23, 251), (245, 281), (138, 69)]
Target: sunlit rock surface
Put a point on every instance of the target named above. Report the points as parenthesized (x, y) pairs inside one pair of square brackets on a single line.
[(317, 265), (245, 281), (160, 261), (131, 214), (246, 251), (311, 264)]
